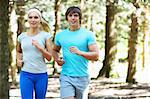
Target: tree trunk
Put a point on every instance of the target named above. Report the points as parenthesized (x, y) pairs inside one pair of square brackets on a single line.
[(132, 49), (4, 49), (82, 8), (133, 41), (110, 42), (12, 43), (57, 16), (57, 26), (20, 11), (145, 52)]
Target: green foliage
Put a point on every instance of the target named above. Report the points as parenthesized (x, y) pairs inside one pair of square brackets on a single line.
[(94, 18)]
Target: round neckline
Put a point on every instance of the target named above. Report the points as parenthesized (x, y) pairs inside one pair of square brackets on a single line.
[(75, 30), (32, 35)]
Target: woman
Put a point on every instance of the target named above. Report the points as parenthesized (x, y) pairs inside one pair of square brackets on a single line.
[(33, 47)]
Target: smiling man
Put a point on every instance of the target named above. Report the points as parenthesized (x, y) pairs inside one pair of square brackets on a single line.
[(78, 47)]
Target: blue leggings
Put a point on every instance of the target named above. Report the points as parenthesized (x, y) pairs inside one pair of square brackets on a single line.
[(30, 83)]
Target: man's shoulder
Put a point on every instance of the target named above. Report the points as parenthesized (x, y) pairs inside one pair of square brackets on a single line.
[(85, 30), (61, 32)]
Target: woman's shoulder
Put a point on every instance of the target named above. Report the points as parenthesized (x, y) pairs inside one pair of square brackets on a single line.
[(22, 34), (45, 33)]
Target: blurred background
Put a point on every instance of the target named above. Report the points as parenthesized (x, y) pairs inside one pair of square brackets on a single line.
[(122, 29)]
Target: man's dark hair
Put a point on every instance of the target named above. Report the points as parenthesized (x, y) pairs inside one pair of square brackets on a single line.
[(73, 9)]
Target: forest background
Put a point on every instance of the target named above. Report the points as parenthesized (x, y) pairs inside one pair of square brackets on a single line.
[(121, 28)]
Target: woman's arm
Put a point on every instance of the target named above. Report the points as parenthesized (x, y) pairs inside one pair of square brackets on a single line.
[(19, 55)]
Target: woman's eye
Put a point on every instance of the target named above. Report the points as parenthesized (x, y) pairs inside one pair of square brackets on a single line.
[(30, 17), (35, 17)]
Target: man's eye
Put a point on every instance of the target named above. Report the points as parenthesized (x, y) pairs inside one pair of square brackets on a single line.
[(70, 15), (76, 15)]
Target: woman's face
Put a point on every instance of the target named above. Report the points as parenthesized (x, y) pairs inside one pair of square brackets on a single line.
[(34, 19)]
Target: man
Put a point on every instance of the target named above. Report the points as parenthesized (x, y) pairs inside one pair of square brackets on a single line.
[(78, 46)]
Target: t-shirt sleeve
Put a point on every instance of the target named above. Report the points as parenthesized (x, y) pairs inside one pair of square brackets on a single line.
[(57, 40), (48, 36), (91, 38), (19, 38)]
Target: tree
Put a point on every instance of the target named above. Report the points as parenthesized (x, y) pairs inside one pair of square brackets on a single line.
[(145, 30), (4, 49), (110, 40), (20, 12), (57, 25), (57, 16), (133, 40)]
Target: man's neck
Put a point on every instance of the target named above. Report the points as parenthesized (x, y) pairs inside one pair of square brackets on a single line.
[(74, 28)]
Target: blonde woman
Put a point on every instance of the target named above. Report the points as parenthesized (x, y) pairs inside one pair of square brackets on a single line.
[(32, 49)]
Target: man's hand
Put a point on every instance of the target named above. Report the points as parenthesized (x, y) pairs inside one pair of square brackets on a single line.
[(60, 61), (74, 49)]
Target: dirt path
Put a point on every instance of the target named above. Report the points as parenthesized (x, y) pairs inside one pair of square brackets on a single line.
[(99, 89)]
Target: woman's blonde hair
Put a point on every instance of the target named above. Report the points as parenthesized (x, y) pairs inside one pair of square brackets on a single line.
[(44, 24)]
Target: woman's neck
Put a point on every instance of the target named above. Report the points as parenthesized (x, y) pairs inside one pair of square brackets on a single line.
[(33, 31)]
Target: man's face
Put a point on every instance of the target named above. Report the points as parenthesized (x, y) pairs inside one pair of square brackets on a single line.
[(73, 19)]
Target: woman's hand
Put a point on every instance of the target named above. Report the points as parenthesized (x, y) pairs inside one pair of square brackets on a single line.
[(19, 63), (36, 44), (45, 51), (19, 59)]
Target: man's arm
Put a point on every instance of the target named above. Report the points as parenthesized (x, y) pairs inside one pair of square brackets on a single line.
[(55, 53), (93, 53)]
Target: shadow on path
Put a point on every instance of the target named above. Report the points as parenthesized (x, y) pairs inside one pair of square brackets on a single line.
[(99, 89)]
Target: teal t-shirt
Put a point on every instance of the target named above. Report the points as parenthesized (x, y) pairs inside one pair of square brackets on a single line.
[(75, 65), (33, 59)]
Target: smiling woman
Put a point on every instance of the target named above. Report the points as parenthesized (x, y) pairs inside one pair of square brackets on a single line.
[(33, 48)]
